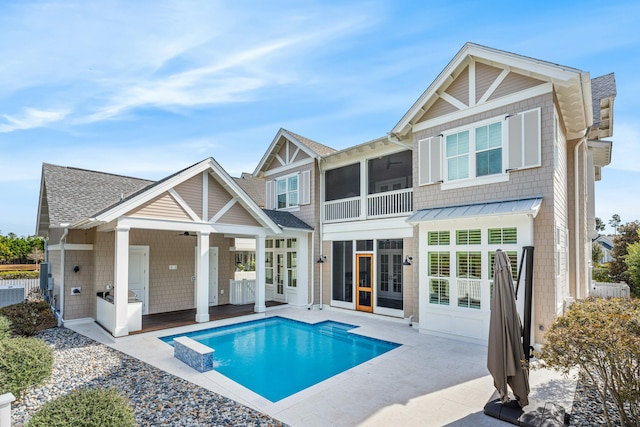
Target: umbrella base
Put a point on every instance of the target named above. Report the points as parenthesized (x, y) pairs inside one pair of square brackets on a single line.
[(546, 414)]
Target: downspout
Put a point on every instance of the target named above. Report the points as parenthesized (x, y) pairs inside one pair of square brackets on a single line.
[(320, 223), (63, 239), (313, 269), (576, 226)]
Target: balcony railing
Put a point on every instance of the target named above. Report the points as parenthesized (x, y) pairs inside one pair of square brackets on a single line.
[(379, 205)]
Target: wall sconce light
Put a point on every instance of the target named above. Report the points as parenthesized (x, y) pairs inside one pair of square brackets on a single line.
[(407, 260), (76, 269), (321, 259)]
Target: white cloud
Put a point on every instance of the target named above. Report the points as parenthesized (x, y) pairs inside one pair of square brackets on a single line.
[(31, 118)]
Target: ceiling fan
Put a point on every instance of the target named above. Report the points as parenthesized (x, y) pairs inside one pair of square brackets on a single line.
[(187, 234), (390, 163)]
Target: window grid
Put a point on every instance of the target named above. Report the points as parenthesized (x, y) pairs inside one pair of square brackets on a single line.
[(287, 192), (468, 237), (502, 236), (439, 270), (439, 238)]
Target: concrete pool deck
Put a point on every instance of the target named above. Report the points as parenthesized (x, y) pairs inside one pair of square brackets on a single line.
[(428, 381)]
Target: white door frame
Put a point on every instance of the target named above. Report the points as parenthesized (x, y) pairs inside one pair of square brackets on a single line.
[(145, 279)]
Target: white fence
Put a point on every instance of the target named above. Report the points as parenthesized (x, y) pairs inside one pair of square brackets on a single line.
[(612, 290), (242, 291), (9, 290)]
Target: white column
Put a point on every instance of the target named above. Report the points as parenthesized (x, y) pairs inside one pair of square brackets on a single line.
[(260, 306), (202, 278), (121, 285)]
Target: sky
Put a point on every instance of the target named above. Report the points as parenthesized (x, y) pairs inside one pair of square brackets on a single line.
[(146, 88)]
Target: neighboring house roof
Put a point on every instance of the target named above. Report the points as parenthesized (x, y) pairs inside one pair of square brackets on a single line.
[(253, 186), (605, 241), (286, 219), (506, 207), (571, 86), (68, 194), (308, 146)]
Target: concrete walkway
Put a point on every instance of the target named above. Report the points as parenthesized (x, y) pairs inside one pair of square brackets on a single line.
[(428, 381)]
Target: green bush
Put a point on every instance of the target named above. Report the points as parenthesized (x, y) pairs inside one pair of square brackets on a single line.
[(17, 274), (25, 362), (602, 338), (5, 327), (85, 408), (601, 273), (29, 317)]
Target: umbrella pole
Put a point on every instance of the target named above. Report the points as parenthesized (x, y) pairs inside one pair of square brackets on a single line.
[(528, 298)]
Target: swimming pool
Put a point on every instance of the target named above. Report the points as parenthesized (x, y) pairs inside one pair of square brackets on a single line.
[(277, 357)]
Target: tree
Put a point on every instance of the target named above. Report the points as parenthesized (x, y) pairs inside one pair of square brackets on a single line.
[(597, 253), (628, 236), (18, 250), (600, 226), (614, 222), (632, 261)]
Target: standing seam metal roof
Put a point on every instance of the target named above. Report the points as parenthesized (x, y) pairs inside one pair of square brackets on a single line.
[(521, 206)]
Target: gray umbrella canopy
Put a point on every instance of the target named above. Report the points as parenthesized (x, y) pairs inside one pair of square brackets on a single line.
[(505, 356)]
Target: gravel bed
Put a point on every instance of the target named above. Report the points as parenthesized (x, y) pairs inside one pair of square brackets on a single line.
[(587, 406), (157, 397)]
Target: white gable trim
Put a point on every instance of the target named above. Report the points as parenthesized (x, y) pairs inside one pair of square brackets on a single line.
[(481, 108), (453, 101), (497, 58), (492, 88), (224, 210), (271, 151), (288, 167), (194, 216)]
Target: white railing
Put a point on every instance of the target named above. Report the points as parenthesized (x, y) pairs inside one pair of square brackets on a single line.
[(343, 209), (242, 291), (613, 290), (469, 294), (390, 203)]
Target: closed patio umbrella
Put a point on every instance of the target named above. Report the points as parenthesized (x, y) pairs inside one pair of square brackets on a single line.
[(505, 356)]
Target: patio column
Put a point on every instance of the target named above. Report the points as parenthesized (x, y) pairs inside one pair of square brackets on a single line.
[(260, 306), (121, 285), (202, 278)]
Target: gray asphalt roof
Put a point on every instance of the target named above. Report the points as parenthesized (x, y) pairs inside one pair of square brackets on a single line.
[(253, 186), (318, 148), (73, 193), (602, 87), (287, 219)]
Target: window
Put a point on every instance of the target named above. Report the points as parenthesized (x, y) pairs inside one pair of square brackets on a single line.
[(342, 183), (292, 269), (468, 237), (439, 271), (489, 149), (287, 192), (438, 238), (457, 151), (501, 236), (469, 275), (513, 260), (268, 270)]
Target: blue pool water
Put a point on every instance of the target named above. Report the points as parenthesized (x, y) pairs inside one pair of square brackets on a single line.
[(277, 357)]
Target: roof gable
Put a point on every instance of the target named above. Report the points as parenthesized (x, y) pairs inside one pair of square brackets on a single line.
[(479, 75), (289, 149), (174, 198)]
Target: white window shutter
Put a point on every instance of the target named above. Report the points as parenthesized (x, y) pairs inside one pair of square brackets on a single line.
[(430, 160), (525, 143), (269, 195), (304, 198)]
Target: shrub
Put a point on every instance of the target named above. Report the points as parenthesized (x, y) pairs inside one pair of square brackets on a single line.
[(29, 317), (602, 338), (85, 407), (17, 274), (25, 362), (601, 273), (5, 327)]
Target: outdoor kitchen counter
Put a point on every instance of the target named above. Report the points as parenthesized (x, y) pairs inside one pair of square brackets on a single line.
[(106, 312)]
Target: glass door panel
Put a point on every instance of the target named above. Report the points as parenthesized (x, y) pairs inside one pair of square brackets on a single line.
[(364, 280), (279, 289)]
